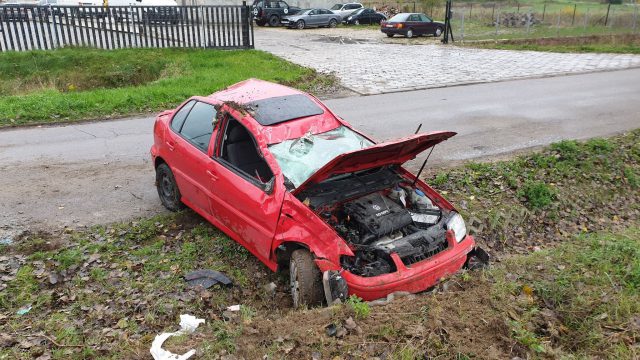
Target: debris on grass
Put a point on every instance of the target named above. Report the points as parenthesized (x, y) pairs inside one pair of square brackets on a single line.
[(188, 324)]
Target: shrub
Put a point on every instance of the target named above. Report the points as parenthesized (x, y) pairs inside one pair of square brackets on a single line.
[(537, 194)]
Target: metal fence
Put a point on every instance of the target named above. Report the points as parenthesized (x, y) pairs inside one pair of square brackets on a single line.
[(524, 19), (36, 27)]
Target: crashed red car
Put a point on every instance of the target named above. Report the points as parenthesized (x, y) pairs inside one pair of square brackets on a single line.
[(282, 175)]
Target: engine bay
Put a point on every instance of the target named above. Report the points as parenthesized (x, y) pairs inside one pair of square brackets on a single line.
[(398, 219)]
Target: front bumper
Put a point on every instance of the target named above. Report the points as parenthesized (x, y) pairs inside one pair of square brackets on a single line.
[(412, 278)]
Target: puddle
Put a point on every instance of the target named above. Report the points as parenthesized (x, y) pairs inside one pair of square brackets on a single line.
[(343, 40)]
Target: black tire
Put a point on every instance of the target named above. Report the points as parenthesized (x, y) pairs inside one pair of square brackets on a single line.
[(261, 23), (305, 280), (300, 24), (274, 20), (390, 35), (357, 22), (168, 188), (438, 32), (333, 23)]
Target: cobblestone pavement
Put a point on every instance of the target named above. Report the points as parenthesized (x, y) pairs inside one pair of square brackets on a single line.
[(368, 63)]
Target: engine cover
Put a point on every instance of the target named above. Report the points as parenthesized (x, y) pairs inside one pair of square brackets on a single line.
[(376, 215)]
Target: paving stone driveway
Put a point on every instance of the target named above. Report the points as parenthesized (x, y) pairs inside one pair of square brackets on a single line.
[(368, 63)]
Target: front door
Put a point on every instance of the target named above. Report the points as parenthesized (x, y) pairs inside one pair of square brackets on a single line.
[(245, 198)]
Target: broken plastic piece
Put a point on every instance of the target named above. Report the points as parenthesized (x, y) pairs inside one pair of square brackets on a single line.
[(188, 325), (335, 287), (207, 278), (477, 259), (233, 308), (24, 310)]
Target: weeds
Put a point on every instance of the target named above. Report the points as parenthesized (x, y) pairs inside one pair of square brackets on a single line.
[(360, 308), (537, 194)]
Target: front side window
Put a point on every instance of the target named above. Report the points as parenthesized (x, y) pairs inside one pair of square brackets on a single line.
[(198, 126), (353, 6), (300, 158)]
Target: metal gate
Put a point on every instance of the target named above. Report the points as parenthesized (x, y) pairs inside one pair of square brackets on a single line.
[(48, 27)]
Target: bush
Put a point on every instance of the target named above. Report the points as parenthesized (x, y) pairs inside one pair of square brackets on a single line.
[(537, 194)]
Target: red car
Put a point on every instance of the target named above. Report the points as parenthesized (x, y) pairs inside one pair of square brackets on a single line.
[(281, 174), (410, 25)]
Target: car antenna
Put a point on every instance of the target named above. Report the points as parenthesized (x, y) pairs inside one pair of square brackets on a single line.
[(418, 129), (422, 167)]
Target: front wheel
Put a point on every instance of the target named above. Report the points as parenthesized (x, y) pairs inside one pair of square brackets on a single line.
[(305, 279), (261, 23), (300, 24), (438, 32), (357, 22), (389, 35), (333, 23), (168, 188)]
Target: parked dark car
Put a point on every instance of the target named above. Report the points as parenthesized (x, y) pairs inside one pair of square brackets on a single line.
[(271, 12), (410, 25), (364, 16), (312, 18), (15, 12)]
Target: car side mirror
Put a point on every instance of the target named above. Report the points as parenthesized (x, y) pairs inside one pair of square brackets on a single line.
[(269, 186)]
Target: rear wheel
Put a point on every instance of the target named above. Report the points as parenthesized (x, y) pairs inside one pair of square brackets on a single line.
[(168, 188), (409, 33), (389, 35), (305, 279), (333, 23), (438, 32), (274, 20), (357, 22), (300, 24), (261, 22)]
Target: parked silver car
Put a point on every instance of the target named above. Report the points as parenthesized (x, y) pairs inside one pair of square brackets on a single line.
[(312, 18)]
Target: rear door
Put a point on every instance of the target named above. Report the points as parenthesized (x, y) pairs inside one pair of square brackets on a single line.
[(189, 159)]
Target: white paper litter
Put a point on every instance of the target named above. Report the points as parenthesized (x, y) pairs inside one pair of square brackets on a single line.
[(233, 308), (188, 325)]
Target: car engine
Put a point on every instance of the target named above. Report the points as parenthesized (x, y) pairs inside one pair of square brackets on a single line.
[(385, 222)]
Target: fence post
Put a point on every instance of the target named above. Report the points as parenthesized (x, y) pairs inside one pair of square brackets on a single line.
[(635, 18), (606, 19), (414, 6), (529, 22), (573, 19), (462, 29), (558, 26), (586, 21), (544, 10), (470, 9), (613, 12), (493, 12), (246, 20), (518, 7), (497, 25)]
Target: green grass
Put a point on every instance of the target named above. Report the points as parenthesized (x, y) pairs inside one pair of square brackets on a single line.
[(588, 289), (81, 83), (567, 48)]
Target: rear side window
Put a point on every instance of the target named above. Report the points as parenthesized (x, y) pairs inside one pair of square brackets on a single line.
[(353, 6), (178, 118), (424, 17), (198, 126), (414, 17)]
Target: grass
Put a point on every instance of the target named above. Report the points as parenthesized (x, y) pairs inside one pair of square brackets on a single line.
[(80, 83)]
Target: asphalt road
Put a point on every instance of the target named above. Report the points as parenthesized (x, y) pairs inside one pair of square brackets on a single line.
[(99, 172)]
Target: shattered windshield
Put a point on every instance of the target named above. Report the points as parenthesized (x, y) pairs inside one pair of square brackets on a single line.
[(300, 158)]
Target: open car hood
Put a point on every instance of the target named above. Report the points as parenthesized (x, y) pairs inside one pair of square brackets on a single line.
[(395, 152)]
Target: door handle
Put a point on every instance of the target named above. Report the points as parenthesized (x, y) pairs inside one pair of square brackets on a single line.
[(213, 176), (170, 144)]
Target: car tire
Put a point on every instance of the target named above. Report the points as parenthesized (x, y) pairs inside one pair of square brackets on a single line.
[(409, 34), (261, 23), (357, 22), (274, 21), (300, 24), (333, 23), (168, 188), (438, 32), (390, 35), (305, 280)]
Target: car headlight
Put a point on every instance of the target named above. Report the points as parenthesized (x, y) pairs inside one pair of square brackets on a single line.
[(456, 223), (350, 17)]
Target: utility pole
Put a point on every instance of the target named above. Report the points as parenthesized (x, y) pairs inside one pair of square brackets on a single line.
[(447, 24)]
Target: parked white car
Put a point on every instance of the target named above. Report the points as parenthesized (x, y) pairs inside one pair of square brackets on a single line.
[(345, 10)]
